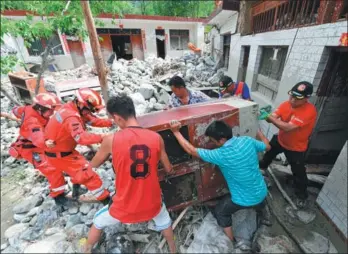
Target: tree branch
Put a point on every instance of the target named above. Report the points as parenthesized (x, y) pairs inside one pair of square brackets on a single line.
[(43, 66)]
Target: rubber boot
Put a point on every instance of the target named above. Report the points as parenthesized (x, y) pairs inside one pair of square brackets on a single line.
[(62, 200), (77, 191), (106, 201)]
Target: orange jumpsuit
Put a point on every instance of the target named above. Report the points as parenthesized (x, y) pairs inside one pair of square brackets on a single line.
[(67, 129), (30, 144)]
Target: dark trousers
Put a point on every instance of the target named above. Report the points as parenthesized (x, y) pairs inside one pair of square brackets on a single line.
[(225, 208), (296, 161)]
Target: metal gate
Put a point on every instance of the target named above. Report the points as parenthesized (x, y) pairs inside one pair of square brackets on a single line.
[(331, 130)]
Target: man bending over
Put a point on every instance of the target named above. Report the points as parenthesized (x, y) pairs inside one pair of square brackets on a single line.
[(135, 155), (238, 162)]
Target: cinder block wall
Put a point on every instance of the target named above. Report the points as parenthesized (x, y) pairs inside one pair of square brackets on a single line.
[(333, 196)]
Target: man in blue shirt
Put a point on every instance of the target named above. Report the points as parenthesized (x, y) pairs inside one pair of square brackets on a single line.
[(183, 96), (238, 161), (230, 88)]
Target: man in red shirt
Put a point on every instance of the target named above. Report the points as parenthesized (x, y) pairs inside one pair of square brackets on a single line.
[(295, 119), (135, 155), (66, 129)]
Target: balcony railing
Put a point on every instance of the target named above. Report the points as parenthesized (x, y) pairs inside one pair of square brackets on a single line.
[(284, 14)]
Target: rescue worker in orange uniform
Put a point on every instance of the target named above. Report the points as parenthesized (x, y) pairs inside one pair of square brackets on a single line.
[(66, 129), (31, 142)]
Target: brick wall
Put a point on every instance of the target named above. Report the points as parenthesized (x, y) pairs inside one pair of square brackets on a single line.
[(306, 59), (333, 196)]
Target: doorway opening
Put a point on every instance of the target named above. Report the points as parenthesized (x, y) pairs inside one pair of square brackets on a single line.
[(160, 43), (331, 130), (121, 44)]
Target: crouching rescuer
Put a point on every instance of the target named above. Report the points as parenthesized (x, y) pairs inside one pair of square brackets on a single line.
[(31, 143), (135, 155), (66, 129)]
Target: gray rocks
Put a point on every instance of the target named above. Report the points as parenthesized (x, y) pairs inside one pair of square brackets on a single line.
[(15, 230), (46, 218), (33, 221), (162, 97), (28, 204), (278, 244), (313, 242), (52, 231), (73, 210), (73, 220), (122, 244), (146, 91), (19, 217), (33, 211), (47, 245), (85, 208), (210, 238), (77, 231), (31, 234)]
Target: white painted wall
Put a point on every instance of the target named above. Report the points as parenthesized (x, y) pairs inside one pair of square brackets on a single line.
[(196, 34), (231, 24), (306, 47)]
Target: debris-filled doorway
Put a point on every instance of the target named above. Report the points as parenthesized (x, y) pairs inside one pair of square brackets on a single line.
[(121, 44), (331, 130), (160, 43)]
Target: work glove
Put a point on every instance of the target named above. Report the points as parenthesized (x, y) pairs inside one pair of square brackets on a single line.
[(265, 112), (263, 115)]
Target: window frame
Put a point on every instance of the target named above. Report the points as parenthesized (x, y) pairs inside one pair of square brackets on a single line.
[(179, 36), (43, 41)]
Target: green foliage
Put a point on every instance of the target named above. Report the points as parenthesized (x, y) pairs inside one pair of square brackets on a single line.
[(207, 28), (7, 63)]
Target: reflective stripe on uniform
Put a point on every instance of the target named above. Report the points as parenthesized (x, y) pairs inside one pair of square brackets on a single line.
[(98, 192), (59, 188)]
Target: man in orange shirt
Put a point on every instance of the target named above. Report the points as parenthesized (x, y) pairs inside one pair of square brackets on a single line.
[(295, 119), (135, 155)]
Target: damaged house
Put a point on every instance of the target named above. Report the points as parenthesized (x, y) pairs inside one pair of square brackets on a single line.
[(132, 36), (281, 43)]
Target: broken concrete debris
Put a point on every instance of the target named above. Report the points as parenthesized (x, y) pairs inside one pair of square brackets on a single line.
[(42, 228)]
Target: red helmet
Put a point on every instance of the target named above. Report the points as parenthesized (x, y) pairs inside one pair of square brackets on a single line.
[(47, 100), (90, 99)]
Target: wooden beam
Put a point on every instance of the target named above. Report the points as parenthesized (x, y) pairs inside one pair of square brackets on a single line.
[(97, 54)]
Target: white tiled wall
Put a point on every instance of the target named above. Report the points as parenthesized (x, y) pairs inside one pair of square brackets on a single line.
[(305, 61), (333, 196)]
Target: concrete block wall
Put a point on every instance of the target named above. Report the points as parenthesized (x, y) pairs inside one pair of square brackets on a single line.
[(333, 196), (306, 59)]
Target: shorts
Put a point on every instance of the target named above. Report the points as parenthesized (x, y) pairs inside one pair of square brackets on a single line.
[(103, 219), (225, 208)]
